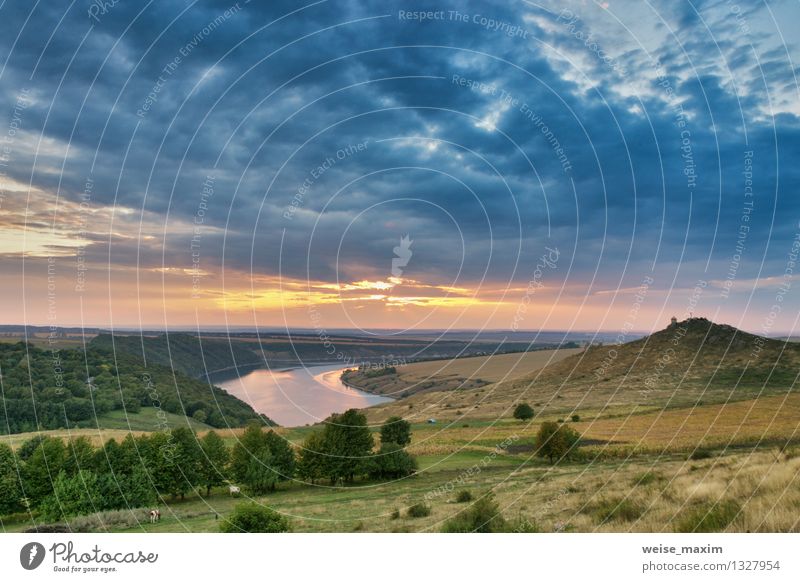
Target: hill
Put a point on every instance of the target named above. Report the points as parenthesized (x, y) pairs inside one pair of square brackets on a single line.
[(457, 374), (691, 362), (53, 389)]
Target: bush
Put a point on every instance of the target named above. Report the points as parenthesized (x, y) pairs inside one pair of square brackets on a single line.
[(699, 454), (617, 510), (395, 514), (709, 517), (463, 496), (107, 520), (419, 510), (576, 418), (483, 516), (523, 411), (254, 518)]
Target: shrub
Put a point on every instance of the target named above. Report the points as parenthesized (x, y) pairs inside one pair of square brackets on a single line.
[(709, 517), (523, 411), (419, 510), (483, 516), (576, 418), (254, 518), (106, 520), (617, 510), (395, 514), (463, 496), (699, 454)]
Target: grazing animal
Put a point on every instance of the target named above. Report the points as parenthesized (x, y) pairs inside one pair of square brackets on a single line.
[(155, 515), (234, 490)]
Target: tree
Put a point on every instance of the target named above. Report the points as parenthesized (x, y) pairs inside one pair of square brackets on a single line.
[(254, 518), (80, 455), (214, 463), (187, 457), (396, 430), (282, 455), (42, 468), (261, 476), (393, 462), (75, 495), (164, 472), (10, 490), (523, 411), (311, 459), (347, 442), (556, 441), (252, 442)]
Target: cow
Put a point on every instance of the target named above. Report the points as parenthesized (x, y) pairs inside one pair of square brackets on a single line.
[(234, 490), (155, 515)]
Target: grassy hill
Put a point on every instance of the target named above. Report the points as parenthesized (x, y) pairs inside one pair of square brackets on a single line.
[(690, 363), (457, 374)]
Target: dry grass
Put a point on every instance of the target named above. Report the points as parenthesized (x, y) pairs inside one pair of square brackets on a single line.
[(489, 368), (768, 418)]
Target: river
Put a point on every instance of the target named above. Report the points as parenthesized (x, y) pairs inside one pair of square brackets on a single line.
[(298, 396)]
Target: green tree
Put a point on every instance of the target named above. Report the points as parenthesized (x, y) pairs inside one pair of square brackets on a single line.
[(252, 443), (283, 459), (523, 411), (261, 476), (311, 459), (164, 472), (10, 490), (214, 462), (556, 441), (254, 518), (347, 443), (396, 430), (75, 495), (80, 455), (393, 462), (187, 457), (42, 468)]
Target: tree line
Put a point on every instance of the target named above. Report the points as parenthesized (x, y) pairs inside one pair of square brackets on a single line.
[(55, 479)]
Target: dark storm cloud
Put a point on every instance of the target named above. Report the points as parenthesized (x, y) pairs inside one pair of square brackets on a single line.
[(260, 107)]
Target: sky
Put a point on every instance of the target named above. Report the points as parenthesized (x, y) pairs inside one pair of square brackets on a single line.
[(504, 165)]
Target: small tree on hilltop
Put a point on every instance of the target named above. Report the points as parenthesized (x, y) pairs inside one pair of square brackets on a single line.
[(523, 411), (556, 441), (396, 430)]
